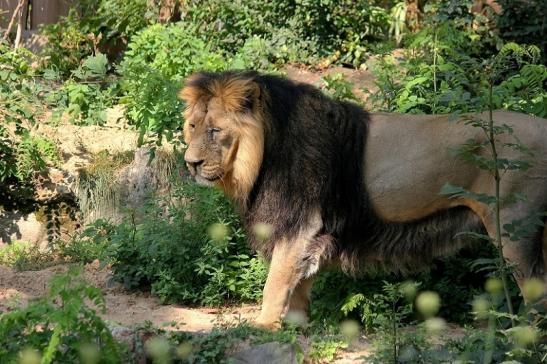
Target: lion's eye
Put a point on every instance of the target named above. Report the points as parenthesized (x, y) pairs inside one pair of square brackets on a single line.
[(215, 130), (192, 126)]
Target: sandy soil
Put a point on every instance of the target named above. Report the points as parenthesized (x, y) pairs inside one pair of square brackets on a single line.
[(123, 307)]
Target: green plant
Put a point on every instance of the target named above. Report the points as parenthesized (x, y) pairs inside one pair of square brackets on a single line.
[(93, 27), (60, 327), (441, 74), (229, 24), (196, 253), (157, 60), (87, 94), (344, 26), (339, 87)]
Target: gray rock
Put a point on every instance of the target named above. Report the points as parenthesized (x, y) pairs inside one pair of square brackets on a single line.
[(269, 353)]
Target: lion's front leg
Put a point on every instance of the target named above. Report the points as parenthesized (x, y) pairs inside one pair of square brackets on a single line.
[(290, 278), (283, 277)]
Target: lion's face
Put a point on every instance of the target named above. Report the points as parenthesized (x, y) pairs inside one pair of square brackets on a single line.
[(212, 138), (224, 131)]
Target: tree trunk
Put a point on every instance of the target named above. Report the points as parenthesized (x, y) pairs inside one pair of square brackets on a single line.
[(21, 23)]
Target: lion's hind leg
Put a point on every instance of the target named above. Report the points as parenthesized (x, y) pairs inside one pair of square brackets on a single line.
[(526, 253)]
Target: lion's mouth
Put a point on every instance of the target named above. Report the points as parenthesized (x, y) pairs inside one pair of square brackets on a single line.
[(207, 180)]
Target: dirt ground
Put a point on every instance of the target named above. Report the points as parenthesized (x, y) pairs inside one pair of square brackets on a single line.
[(133, 308), (123, 307)]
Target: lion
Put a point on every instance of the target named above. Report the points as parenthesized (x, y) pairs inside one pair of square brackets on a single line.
[(339, 185)]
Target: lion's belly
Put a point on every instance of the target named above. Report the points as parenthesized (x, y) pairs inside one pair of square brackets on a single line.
[(407, 162)]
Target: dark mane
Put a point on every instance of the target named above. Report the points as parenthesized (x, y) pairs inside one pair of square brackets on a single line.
[(314, 163)]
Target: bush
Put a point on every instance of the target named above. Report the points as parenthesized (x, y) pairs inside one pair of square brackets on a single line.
[(157, 60), (442, 76), (229, 24), (60, 328), (22, 152), (91, 27), (195, 253), (87, 94), (345, 26)]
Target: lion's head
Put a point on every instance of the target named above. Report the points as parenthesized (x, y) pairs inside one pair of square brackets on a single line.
[(224, 130)]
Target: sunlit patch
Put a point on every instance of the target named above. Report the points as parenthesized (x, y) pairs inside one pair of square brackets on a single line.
[(89, 353), (533, 290), (481, 307), (262, 231), (493, 286), (158, 349), (184, 350), (428, 303), (296, 318), (524, 335), (409, 290), (435, 325), (217, 232), (29, 356), (350, 330)]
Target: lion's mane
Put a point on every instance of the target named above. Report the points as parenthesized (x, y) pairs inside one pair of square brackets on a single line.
[(313, 162)]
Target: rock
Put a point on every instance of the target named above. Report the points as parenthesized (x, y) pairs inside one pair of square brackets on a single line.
[(130, 338), (15, 225), (271, 353), (142, 177)]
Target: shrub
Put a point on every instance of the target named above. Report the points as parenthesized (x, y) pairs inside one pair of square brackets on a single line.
[(22, 152), (344, 26), (440, 77), (60, 328), (87, 94), (229, 24), (157, 60), (175, 252), (91, 27)]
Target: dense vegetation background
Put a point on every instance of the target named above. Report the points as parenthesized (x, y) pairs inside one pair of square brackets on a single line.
[(427, 56)]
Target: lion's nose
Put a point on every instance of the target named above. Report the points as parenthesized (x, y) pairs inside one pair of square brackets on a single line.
[(193, 164)]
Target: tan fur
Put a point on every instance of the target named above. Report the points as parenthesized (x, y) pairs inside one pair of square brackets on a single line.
[(246, 163), (225, 100), (288, 273)]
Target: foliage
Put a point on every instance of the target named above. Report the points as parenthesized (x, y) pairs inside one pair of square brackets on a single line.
[(157, 60), (22, 255), (87, 94), (439, 75), (343, 26), (320, 27), (92, 27), (229, 24), (194, 253), (523, 22), (22, 152), (339, 88), (60, 327)]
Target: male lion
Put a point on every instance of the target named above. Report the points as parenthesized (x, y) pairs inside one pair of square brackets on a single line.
[(338, 184)]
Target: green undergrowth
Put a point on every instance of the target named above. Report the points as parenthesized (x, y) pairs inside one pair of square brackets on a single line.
[(189, 249), (61, 327)]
